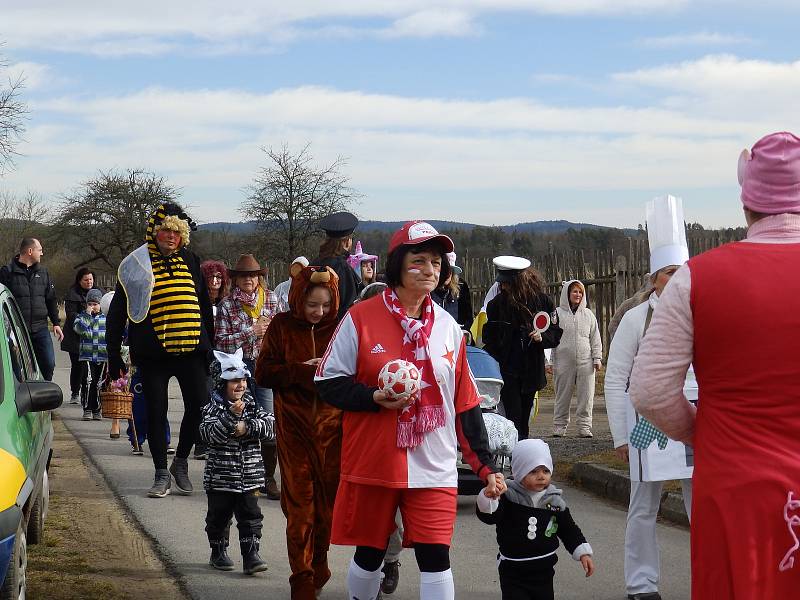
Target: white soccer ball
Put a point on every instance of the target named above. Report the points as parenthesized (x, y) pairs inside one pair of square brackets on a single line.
[(399, 379)]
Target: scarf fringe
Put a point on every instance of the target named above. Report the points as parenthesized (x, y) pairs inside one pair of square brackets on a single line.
[(407, 436), (429, 418)]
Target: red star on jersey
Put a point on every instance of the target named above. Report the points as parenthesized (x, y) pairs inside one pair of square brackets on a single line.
[(450, 358)]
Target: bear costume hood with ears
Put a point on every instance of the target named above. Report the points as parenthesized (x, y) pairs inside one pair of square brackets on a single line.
[(304, 278)]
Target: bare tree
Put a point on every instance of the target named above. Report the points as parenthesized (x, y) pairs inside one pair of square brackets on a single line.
[(13, 111), (107, 215), (290, 195), (25, 216)]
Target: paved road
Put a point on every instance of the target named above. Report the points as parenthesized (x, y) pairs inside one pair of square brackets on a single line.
[(176, 524)]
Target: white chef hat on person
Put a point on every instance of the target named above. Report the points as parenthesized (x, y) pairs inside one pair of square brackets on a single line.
[(666, 232), (529, 454)]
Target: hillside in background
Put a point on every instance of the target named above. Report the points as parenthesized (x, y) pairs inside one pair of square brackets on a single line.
[(542, 227)]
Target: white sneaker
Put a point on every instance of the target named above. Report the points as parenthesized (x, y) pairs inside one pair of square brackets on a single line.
[(559, 431)]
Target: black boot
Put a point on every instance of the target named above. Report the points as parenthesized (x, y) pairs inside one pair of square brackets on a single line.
[(251, 562), (180, 472), (219, 555)]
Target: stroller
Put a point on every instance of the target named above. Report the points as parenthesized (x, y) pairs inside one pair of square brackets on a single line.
[(501, 432)]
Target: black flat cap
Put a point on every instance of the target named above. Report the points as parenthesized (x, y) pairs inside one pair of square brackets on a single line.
[(338, 224)]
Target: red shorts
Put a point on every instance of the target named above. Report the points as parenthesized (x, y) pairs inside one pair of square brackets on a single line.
[(364, 515)]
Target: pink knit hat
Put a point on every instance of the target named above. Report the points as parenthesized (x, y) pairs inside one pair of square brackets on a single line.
[(770, 174)]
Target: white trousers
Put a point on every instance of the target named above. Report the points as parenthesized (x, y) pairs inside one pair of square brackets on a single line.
[(566, 378), (642, 556)]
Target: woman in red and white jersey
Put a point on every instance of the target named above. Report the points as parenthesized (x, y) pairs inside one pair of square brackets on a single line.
[(402, 453)]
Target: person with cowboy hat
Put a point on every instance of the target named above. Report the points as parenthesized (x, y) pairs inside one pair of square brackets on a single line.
[(241, 322), (162, 299), (334, 252)]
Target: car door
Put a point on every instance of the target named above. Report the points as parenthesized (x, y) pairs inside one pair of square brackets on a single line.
[(33, 427)]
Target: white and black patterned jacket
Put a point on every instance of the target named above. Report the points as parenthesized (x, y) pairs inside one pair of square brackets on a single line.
[(234, 463)]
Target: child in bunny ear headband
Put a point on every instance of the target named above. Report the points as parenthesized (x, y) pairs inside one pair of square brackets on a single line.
[(365, 265), (528, 553), (233, 427)]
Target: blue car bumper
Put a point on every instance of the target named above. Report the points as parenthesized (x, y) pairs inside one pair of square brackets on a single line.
[(6, 549)]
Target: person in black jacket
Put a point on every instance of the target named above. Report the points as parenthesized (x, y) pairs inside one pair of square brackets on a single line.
[(333, 253), (530, 518), (454, 295), (162, 296), (35, 293), (510, 337), (74, 304)]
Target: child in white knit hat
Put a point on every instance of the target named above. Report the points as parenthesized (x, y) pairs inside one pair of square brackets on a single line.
[(530, 519)]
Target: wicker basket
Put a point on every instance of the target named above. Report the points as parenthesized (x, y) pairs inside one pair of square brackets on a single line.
[(116, 405)]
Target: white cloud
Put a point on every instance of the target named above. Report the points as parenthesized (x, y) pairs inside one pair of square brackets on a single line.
[(433, 23), (207, 142), (156, 27), (700, 38), (725, 86)]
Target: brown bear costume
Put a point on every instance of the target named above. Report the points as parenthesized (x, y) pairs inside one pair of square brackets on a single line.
[(309, 430)]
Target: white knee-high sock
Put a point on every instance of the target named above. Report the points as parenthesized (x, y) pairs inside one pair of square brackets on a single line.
[(436, 586), (361, 584)]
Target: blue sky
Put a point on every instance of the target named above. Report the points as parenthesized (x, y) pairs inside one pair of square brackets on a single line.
[(486, 111)]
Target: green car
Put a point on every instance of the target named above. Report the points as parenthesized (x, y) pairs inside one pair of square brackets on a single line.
[(26, 436)]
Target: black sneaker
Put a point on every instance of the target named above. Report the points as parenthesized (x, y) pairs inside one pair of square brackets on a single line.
[(391, 576), (161, 484), (180, 472)]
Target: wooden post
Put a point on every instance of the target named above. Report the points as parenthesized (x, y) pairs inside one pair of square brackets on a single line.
[(620, 272)]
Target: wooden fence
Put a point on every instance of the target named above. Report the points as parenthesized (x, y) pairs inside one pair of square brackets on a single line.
[(609, 276)]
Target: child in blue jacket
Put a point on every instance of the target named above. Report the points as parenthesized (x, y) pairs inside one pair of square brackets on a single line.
[(90, 326)]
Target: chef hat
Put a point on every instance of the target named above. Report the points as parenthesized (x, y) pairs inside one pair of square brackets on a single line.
[(666, 232)]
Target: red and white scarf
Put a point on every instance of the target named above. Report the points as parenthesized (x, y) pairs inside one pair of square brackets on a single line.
[(426, 412)]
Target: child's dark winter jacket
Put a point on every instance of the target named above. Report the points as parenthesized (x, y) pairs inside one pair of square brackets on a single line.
[(531, 533), (234, 463)]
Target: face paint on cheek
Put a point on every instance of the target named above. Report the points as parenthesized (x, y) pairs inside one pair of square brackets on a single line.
[(414, 271)]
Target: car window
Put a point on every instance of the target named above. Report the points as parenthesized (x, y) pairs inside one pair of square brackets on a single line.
[(26, 347), (14, 349)]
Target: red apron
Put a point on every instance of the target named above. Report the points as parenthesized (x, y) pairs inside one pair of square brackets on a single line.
[(746, 310)]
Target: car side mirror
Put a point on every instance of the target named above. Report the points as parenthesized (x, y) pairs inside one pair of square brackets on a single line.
[(38, 396)]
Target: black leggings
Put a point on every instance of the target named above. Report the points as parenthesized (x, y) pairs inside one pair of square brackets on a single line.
[(431, 558), (517, 404), (190, 371), (77, 376)]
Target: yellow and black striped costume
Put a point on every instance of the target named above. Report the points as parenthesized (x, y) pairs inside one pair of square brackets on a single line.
[(174, 305)]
